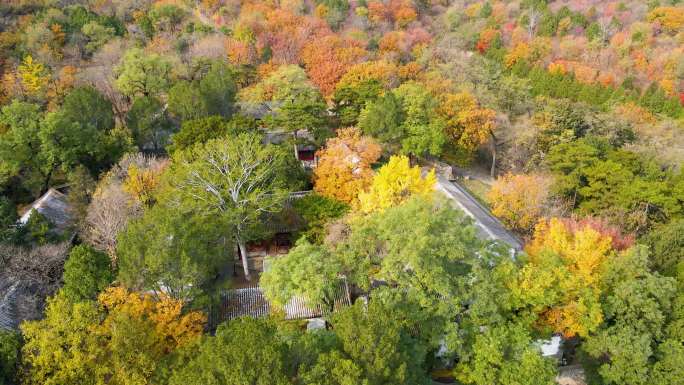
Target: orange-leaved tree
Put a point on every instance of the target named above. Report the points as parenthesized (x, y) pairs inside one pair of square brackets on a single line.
[(403, 12), (58, 89), (519, 53), (285, 32), (327, 58), (344, 165)]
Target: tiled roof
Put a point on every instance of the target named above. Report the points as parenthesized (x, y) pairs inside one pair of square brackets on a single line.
[(54, 206), (251, 302), (6, 321), (7, 317), (258, 110)]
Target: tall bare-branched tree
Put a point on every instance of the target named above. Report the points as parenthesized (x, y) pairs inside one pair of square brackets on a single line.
[(238, 178)]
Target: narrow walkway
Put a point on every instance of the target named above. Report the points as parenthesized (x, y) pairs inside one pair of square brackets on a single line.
[(488, 226)]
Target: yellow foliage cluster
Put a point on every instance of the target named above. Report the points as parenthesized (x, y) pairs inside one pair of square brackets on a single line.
[(395, 183), (33, 75), (141, 183), (351, 53), (383, 71), (635, 113), (583, 251), (409, 71), (564, 25), (392, 42), (120, 339), (582, 254), (173, 328), (557, 67), (473, 10), (519, 53), (264, 70), (669, 85), (210, 5), (519, 200), (138, 15), (244, 33), (585, 74), (671, 18), (468, 125), (321, 11), (436, 84), (344, 165), (176, 3)]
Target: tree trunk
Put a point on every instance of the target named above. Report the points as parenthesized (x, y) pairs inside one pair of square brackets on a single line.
[(296, 153), (492, 171), (46, 181), (243, 255), (412, 159)]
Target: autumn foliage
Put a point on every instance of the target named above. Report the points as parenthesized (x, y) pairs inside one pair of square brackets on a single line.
[(328, 58), (384, 72), (172, 326), (395, 183), (619, 240), (344, 166), (399, 12), (671, 18), (487, 38), (123, 338), (33, 75), (520, 200), (567, 258), (468, 124), (141, 183)]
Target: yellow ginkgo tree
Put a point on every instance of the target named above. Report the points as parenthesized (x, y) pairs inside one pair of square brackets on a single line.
[(34, 76), (395, 183), (122, 338), (142, 182), (568, 262), (468, 125), (520, 200)]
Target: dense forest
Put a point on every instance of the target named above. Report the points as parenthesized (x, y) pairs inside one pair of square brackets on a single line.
[(161, 158)]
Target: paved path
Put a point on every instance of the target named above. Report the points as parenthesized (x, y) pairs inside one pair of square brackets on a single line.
[(488, 226)]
